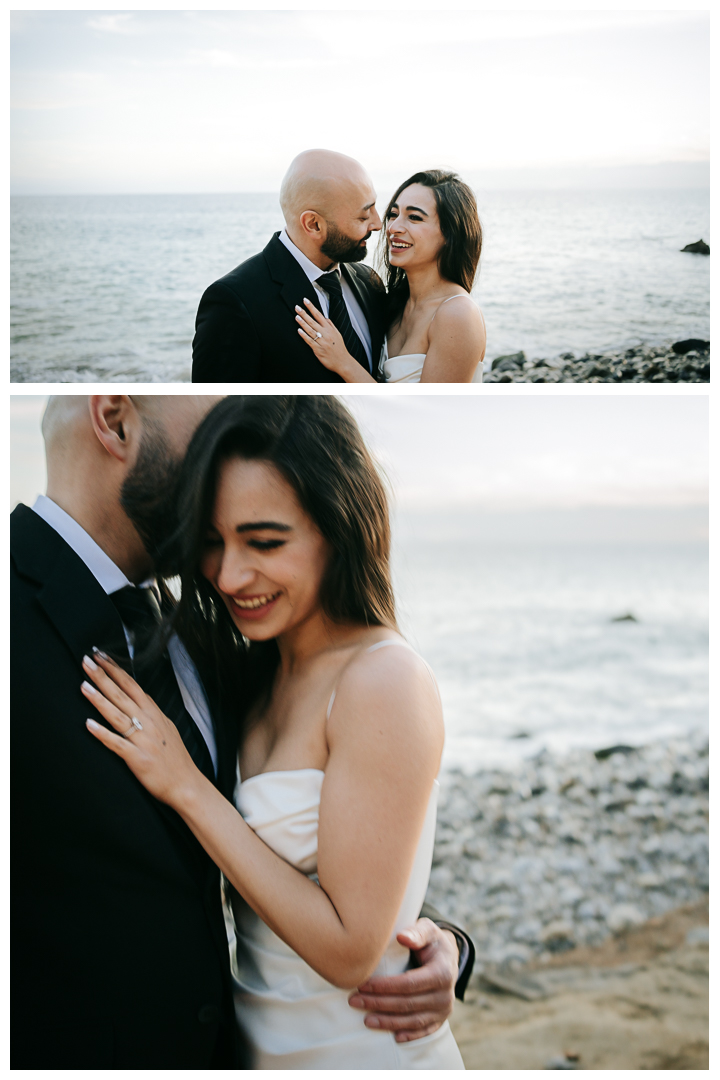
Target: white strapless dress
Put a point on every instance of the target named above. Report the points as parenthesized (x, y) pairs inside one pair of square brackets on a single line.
[(294, 1018), (408, 368)]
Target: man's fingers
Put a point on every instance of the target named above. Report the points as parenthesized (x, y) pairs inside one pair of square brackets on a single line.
[(415, 981), (417, 936), (417, 1022), (410, 1036), (401, 1005)]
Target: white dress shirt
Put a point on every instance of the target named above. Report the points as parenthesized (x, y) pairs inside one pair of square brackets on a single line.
[(313, 272), (112, 579)]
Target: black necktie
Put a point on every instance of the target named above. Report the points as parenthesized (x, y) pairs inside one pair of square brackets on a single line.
[(141, 615), (340, 315)]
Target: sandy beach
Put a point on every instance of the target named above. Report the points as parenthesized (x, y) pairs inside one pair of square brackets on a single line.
[(639, 1001)]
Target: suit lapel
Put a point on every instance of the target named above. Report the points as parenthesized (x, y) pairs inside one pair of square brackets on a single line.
[(82, 613), (287, 272), (40, 553), (368, 300)]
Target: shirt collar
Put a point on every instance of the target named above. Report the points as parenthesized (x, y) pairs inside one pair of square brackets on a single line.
[(100, 565), (312, 271)]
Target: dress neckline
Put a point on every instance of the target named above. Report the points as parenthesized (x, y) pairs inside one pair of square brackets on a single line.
[(279, 772), (455, 296)]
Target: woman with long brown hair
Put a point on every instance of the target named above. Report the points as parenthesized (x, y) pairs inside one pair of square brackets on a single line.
[(285, 554), (433, 240)]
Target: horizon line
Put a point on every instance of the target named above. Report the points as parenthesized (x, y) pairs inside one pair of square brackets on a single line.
[(530, 187)]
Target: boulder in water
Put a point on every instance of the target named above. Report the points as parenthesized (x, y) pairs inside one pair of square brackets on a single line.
[(698, 248), (507, 363), (690, 345), (602, 755)]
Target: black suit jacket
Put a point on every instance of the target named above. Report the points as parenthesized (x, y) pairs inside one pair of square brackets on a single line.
[(119, 950), (245, 329)]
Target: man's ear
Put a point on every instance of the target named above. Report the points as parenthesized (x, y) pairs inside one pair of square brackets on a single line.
[(313, 225), (116, 424)]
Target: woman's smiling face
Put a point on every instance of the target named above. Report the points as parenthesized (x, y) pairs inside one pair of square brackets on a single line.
[(414, 236), (263, 554)]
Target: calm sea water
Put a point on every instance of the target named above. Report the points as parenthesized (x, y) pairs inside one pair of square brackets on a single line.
[(522, 642), (105, 288)]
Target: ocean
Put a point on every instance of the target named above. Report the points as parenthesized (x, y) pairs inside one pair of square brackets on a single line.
[(106, 287), (522, 641)]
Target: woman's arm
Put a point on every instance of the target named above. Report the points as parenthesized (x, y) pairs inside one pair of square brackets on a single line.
[(385, 740), (329, 347), (456, 343)]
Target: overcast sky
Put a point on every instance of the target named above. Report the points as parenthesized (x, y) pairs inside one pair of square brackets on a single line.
[(175, 101), (498, 453)]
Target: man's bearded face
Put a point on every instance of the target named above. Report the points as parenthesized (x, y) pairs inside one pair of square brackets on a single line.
[(148, 495), (342, 248)]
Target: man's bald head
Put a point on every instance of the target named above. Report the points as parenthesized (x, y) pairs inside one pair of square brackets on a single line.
[(328, 202), (324, 181), (67, 419), (63, 422)]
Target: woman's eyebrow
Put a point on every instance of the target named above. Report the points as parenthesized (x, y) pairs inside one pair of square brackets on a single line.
[(419, 210), (251, 526)]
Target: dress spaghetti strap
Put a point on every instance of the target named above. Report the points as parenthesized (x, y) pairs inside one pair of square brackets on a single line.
[(449, 298), (381, 645)]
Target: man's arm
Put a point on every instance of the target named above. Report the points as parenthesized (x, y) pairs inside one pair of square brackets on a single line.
[(466, 949), (416, 1003), (226, 346)]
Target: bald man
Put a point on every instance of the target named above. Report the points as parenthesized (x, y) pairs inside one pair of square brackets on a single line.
[(119, 950), (246, 329)]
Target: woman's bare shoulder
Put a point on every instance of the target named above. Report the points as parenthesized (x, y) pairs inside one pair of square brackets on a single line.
[(388, 689), (458, 313)]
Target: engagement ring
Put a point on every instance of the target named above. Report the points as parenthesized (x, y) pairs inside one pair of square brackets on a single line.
[(318, 334), (135, 725)]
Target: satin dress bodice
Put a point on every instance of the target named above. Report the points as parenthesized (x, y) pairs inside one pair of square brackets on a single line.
[(408, 368)]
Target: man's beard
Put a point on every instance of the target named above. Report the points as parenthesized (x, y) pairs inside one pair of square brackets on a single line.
[(341, 248), (148, 495)]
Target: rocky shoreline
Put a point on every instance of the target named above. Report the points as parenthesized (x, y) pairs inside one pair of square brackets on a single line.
[(680, 361), (569, 851)]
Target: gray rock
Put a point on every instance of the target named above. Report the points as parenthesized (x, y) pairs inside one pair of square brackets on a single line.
[(642, 363), (505, 884), (698, 248), (558, 936), (508, 362), (624, 917)]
